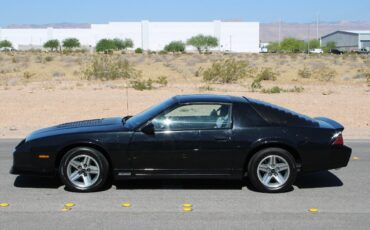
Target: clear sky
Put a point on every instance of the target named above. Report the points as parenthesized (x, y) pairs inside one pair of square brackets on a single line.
[(102, 11)]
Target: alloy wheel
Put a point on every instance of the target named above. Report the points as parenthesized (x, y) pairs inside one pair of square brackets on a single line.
[(273, 171), (83, 171)]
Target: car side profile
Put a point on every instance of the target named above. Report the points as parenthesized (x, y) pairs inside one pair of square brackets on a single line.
[(187, 136)]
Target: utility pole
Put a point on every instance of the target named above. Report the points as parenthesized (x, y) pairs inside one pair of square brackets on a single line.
[(279, 31), (317, 25), (308, 38)]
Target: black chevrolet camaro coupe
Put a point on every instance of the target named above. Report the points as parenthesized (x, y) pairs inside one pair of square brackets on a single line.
[(188, 136)]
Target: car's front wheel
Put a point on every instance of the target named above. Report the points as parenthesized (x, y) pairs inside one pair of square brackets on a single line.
[(84, 169), (272, 170)]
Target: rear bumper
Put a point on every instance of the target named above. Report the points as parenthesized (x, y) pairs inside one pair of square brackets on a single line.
[(339, 157), (333, 158)]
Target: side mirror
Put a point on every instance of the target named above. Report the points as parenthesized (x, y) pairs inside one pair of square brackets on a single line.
[(148, 129)]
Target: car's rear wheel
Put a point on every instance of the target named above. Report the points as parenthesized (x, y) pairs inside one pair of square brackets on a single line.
[(272, 170), (84, 169)]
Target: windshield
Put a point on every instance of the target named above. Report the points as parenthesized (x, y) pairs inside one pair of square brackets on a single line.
[(147, 114)]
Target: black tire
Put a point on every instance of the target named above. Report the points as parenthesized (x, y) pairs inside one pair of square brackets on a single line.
[(260, 156), (100, 160)]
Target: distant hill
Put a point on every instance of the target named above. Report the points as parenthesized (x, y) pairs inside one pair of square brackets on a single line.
[(64, 25), (268, 31)]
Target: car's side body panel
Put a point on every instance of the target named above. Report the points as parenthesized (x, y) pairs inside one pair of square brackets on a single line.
[(204, 153)]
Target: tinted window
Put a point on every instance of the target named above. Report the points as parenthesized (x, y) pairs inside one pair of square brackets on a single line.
[(195, 116), (149, 113)]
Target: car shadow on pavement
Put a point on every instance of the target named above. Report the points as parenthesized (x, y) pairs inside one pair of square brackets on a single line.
[(318, 180), (37, 182), (179, 184), (303, 181)]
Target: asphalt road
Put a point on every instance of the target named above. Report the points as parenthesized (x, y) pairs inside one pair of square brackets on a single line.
[(342, 198)]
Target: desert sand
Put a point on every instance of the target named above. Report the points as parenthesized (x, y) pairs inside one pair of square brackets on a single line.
[(49, 98)]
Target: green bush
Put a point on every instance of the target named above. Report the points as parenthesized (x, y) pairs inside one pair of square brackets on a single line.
[(175, 46), (139, 50), (49, 58), (275, 89), (162, 80), (142, 84), (105, 67), (256, 85), (266, 74), (162, 52), (27, 75), (227, 71)]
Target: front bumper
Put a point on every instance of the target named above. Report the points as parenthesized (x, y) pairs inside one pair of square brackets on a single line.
[(26, 162)]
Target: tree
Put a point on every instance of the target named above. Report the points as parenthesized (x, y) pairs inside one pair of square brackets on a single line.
[(105, 45), (202, 42), (5, 44), (123, 44), (292, 45), (273, 47), (52, 44), (329, 45), (71, 43), (175, 46), (314, 44)]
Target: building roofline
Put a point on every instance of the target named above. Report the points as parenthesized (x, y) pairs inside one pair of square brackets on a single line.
[(338, 31), (356, 32)]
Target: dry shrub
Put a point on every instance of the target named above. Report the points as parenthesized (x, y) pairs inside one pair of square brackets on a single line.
[(325, 74), (227, 71), (105, 67), (305, 72)]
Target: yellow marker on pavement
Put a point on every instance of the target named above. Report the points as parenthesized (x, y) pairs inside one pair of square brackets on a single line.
[(69, 205), (66, 209), (187, 205), (187, 209), (356, 158), (313, 210), (4, 205), (126, 204)]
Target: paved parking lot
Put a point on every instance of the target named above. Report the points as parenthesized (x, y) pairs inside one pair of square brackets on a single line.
[(342, 198)]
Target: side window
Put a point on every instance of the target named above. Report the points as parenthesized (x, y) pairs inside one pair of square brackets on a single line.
[(195, 116)]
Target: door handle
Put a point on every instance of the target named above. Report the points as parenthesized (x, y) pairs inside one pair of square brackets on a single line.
[(222, 139)]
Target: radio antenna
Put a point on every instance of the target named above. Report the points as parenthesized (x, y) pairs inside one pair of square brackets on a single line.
[(127, 100)]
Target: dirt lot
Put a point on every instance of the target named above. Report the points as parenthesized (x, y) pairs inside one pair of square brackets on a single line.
[(37, 91)]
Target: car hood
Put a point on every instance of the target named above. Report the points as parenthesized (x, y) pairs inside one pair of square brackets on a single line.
[(86, 126)]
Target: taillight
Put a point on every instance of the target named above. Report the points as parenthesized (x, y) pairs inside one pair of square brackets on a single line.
[(338, 139)]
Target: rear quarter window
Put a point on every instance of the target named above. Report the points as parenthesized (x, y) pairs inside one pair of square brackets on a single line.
[(246, 116), (277, 115)]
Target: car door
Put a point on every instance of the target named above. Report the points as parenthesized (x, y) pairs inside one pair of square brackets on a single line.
[(164, 151), (217, 147)]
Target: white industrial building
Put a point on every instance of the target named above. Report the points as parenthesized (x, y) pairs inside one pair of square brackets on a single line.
[(232, 36)]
